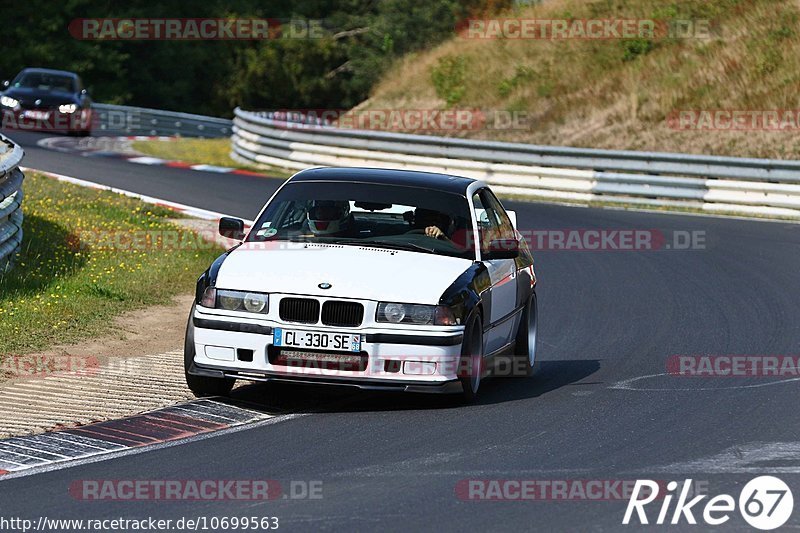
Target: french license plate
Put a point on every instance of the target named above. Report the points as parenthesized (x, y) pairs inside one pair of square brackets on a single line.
[(36, 115), (318, 340)]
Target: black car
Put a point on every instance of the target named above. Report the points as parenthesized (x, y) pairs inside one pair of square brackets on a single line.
[(46, 99)]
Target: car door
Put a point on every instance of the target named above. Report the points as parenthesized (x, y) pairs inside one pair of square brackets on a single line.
[(493, 223)]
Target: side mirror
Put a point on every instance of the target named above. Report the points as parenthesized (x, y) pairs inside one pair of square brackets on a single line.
[(502, 249), (232, 228)]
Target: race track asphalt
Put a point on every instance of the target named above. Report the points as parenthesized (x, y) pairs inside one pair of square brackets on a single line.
[(603, 408)]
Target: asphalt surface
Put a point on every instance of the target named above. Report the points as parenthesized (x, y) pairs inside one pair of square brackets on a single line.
[(607, 317)]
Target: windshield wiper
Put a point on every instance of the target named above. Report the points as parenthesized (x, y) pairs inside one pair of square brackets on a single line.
[(408, 246)]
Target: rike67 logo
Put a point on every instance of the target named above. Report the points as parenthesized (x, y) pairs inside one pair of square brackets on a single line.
[(765, 503)]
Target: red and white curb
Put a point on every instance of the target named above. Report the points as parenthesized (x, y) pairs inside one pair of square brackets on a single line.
[(119, 148), (147, 160), (133, 434), (147, 138), (188, 210), (144, 431)]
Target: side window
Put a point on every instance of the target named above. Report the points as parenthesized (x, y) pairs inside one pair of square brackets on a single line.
[(483, 222), (497, 215), (493, 222)]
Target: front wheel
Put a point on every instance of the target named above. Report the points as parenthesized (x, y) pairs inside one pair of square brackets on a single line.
[(471, 363), (201, 385), (525, 344)]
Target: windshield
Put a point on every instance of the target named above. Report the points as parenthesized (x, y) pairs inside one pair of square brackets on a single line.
[(385, 216), (45, 81)]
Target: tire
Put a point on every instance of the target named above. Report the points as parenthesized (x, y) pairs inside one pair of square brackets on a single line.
[(201, 385), (525, 344), (471, 364)]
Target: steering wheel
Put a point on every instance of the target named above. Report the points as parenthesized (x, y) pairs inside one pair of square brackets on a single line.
[(418, 231)]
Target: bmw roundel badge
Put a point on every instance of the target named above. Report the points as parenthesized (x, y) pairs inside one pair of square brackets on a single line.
[(324, 285)]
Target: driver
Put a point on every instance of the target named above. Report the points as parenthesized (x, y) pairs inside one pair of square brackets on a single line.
[(434, 224), (329, 218)]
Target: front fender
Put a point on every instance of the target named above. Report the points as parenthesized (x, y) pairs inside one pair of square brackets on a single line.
[(466, 292), (209, 277)]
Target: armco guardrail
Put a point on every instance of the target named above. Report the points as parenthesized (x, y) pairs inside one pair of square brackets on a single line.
[(127, 120), (763, 187), (10, 202)]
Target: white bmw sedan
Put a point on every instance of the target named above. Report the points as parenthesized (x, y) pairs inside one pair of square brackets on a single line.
[(370, 278)]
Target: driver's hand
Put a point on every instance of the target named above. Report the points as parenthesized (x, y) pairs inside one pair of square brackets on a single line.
[(434, 232)]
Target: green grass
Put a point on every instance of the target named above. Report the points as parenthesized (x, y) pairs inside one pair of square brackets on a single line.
[(202, 151), (76, 270)]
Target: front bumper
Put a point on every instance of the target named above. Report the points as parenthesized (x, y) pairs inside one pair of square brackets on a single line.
[(411, 359), (381, 384)]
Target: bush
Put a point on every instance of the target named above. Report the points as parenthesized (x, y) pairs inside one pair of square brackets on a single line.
[(448, 79)]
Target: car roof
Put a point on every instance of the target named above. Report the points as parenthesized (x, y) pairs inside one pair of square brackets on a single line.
[(410, 178), (50, 71)]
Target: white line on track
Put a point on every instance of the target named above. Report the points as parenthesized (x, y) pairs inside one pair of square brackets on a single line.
[(752, 458), (182, 208), (146, 160), (628, 384)]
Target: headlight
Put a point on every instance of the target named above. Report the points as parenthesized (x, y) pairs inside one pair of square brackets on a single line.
[(396, 313), (7, 101), (253, 302), (68, 108), (229, 300), (392, 312)]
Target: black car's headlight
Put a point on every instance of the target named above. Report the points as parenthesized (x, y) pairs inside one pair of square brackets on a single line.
[(67, 108), (397, 313), (252, 302), (7, 101)]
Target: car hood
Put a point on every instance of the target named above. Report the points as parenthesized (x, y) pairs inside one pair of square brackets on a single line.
[(27, 96), (352, 272)]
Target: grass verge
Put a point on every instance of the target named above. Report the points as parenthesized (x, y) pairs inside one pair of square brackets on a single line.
[(202, 151), (618, 93), (87, 257)]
